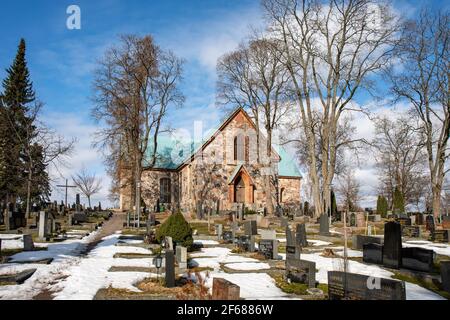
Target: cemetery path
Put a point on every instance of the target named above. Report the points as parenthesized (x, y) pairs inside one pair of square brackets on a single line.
[(109, 227)]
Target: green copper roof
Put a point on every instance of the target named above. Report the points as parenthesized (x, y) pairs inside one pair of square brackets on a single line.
[(173, 152)]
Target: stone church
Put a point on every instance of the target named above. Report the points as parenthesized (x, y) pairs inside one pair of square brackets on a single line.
[(220, 171)]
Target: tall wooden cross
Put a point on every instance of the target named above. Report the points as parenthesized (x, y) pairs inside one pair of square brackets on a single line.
[(67, 187)]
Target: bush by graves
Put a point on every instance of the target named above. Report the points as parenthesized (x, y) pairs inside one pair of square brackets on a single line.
[(178, 228)]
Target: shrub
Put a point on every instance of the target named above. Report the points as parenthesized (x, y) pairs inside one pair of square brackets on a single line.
[(177, 228)]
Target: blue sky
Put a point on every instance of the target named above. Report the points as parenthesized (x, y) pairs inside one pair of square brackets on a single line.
[(62, 61)]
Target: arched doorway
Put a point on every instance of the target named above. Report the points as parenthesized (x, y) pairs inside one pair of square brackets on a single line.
[(239, 190)]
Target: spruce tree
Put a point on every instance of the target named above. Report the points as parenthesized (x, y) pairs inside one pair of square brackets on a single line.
[(17, 96), (398, 202), (382, 206)]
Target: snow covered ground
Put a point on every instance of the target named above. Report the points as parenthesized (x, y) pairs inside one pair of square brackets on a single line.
[(72, 276), (91, 274), (64, 254)]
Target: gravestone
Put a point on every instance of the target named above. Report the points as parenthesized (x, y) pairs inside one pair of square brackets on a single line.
[(392, 250), (234, 226), (360, 220), (268, 234), (43, 232), (324, 225), (69, 219), (28, 244), (301, 271), (301, 235), (250, 228), (429, 222), (411, 231), (77, 202), (373, 253), (419, 219), (181, 255), (268, 248), (418, 259), (445, 275), (404, 220), (352, 286), (440, 236), (245, 243), (228, 237), (293, 252), (413, 220), (79, 217), (170, 269), (358, 241), (225, 290), (219, 231)]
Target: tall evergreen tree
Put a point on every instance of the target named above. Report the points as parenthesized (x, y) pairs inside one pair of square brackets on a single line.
[(382, 206), (398, 202), (17, 96)]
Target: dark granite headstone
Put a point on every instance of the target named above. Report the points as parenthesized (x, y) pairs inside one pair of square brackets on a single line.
[(170, 269), (301, 271), (411, 231), (227, 236), (373, 253), (352, 286), (250, 228), (418, 259), (324, 225), (429, 222), (358, 241), (268, 248), (392, 250), (301, 235), (445, 275), (419, 219), (439, 236), (293, 252), (28, 244), (244, 243), (79, 217)]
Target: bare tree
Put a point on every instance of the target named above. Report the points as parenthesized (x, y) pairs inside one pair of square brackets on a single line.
[(42, 146), (87, 183), (330, 50), (424, 82), (135, 85), (348, 188), (400, 158), (253, 78)]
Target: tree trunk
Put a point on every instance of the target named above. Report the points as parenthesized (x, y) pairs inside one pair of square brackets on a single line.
[(27, 212), (267, 178), (89, 201)]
